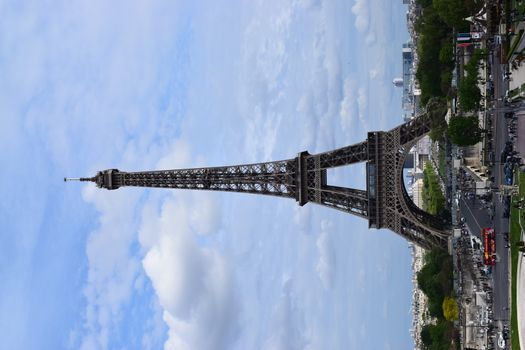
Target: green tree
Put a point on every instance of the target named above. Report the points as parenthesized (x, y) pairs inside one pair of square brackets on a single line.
[(424, 3), (469, 91), (426, 336), (446, 54), (469, 94), (439, 335), (436, 109), (430, 280), (433, 32), (450, 309), (452, 12), (464, 131)]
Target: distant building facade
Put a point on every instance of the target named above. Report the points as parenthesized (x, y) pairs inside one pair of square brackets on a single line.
[(407, 82), (398, 82)]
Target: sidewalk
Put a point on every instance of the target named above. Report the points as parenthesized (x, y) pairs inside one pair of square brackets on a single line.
[(520, 283), (520, 297)]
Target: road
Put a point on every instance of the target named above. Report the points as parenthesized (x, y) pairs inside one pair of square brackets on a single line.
[(500, 272), (478, 216)]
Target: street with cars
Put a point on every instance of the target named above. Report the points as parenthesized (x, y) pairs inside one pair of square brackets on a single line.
[(490, 206)]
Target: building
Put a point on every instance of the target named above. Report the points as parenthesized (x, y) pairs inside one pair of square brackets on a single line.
[(408, 83), (398, 82)]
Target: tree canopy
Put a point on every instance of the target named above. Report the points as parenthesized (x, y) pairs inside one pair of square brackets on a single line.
[(436, 109), (469, 91), (465, 131), (434, 279), (433, 33), (450, 309), (452, 12)]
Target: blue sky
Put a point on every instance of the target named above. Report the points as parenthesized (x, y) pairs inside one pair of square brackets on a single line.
[(89, 85)]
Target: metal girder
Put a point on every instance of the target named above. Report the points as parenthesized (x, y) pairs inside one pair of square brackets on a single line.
[(385, 202), (271, 178), (356, 153), (392, 207), (414, 129)]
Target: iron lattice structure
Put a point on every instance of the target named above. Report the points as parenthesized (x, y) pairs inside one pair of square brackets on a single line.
[(385, 202)]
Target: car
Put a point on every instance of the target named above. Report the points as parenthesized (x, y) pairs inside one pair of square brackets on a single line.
[(506, 207), (501, 341), (491, 157), (509, 179), (505, 334), (503, 157), (507, 151), (508, 171), (509, 146), (514, 160)]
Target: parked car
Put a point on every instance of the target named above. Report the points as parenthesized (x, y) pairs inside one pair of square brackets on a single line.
[(506, 207), (508, 171), (501, 341)]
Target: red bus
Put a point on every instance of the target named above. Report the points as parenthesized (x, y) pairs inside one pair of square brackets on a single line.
[(489, 246)]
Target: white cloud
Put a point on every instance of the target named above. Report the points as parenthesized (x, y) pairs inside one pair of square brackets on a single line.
[(326, 265), (354, 106), (193, 284), (362, 16), (370, 38), (287, 323), (112, 268), (362, 106), (348, 109)]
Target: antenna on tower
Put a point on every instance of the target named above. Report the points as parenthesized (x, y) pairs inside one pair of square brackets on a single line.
[(66, 179)]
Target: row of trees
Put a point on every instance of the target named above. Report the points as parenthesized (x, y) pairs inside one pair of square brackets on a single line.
[(435, 51), (433, 199), (436, 62), (435, 280), (469, 92), (465, 131), (435, 42)]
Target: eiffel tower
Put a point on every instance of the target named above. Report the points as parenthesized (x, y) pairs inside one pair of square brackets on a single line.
[(385, 202)]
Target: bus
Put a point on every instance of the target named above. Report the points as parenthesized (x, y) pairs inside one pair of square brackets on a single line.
[(488, 237)]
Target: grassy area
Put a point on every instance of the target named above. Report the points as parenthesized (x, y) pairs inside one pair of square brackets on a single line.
[(442, 162), (515, 236), (433, 198)]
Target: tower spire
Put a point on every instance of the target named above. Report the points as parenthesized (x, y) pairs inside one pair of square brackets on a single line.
[(67, 179)]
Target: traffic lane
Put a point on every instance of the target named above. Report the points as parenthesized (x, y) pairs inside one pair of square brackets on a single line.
[(500, 224), (520, 133), (500, 272), (476, 217), (499, 126)]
